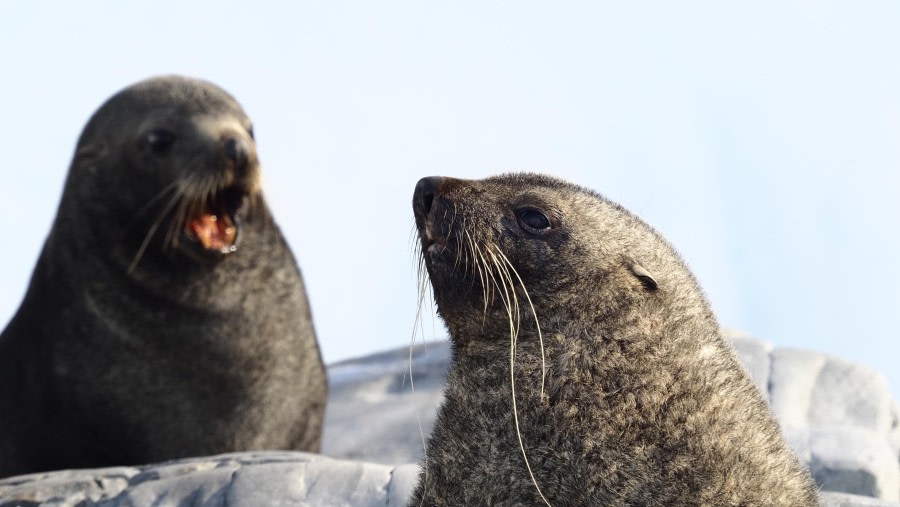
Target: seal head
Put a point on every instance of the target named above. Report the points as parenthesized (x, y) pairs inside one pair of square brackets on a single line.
[(186, 152)]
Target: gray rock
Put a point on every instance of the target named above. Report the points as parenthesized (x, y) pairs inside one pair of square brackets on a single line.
[(811, 389), (240, 479), (791, 382), (402, 484), (76, 485), (373, 413), (830, 499), (894, 433), (849, 460)]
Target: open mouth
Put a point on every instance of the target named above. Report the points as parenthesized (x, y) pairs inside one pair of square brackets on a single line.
[(215, 226)]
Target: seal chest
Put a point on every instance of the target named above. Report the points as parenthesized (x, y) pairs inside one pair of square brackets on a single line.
[(587, 366), (166, 316)]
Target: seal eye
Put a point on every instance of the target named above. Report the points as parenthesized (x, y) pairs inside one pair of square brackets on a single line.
[(160, 140), (533, 219), (250, 131)]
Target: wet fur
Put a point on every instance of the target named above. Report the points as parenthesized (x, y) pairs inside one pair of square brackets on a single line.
[(626, 391), (129, 348)]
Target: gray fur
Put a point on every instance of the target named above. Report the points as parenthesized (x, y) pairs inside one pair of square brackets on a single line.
[(120, 357), (645, 402)]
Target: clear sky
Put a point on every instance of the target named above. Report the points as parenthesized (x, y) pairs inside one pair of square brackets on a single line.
[(762, 138)]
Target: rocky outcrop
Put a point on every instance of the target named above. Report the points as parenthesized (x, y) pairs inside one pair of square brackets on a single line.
[(241, 479), (837, 415)]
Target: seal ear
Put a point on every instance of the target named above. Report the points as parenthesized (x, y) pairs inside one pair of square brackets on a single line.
[(643, 275), (92, 150)]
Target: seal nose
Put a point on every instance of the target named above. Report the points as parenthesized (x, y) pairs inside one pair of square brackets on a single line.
[(424, 194), (237, 150)]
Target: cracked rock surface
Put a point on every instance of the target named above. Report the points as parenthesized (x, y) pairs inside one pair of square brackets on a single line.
[(239, 479)]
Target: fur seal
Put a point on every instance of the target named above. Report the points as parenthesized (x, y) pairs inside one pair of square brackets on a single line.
[(166, 316), (587, 367)]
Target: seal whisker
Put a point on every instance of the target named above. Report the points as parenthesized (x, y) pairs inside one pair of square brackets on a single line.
[(422, 282), (514, 332), (507, 280), (488, 295), (168, 188), (533, 314), (178, 220), (151, 232), (415, 245), (450, 231), (461, 252), (477, 268)]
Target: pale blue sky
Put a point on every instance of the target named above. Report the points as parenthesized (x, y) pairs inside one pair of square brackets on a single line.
[(763, 138)]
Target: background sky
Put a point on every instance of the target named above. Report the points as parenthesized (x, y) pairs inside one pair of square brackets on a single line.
[(762, 138)]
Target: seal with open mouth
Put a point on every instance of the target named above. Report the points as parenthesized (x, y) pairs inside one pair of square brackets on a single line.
[(166, 316), (587, 367)]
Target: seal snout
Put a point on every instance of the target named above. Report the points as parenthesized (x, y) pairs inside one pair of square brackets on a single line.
[(218, 197), (423, 197), (423, 201), (237, 152)]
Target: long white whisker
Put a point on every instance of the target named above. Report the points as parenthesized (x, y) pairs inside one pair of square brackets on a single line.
[(422, 287), (514, 330), (533, 314)]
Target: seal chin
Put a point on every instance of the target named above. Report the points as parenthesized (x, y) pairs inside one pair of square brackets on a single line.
[(213, 231)]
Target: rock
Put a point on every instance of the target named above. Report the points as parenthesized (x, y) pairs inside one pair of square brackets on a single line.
[(791, 382), (894, 433), (848, 459), (74, 486), (846, 500), (376, 389), (811, 389), (239, 479)]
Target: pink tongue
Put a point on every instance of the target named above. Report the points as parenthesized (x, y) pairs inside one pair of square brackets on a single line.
[(212, 232)]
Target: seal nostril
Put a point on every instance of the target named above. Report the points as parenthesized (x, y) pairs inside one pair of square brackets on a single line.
[(236, 150), (424, 195)]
